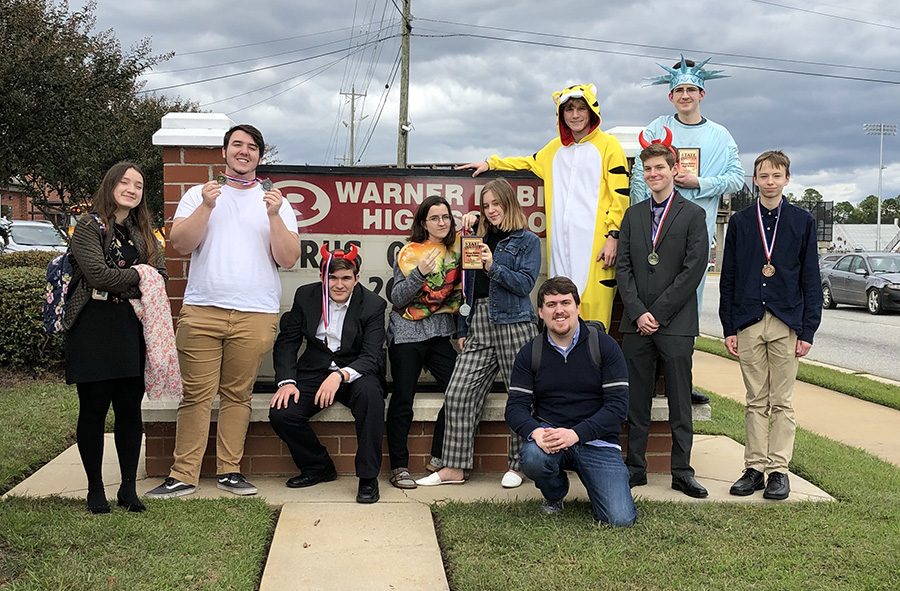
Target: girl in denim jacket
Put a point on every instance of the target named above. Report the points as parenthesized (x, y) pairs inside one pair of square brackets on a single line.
[(496, 319)]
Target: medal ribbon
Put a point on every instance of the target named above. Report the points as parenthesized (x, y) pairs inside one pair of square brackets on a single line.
[(762, 233), (462, 233), (241, 181), (326, 304), (662, 219)]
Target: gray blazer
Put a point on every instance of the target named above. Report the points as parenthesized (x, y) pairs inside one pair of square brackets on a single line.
[(667, 290)]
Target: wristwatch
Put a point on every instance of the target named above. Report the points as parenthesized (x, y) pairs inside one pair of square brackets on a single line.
[(613, 234)]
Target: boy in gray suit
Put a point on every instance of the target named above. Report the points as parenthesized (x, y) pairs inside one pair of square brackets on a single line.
[(662, 259)]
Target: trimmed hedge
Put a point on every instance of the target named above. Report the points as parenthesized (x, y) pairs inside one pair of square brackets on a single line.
[(23, 342), (27, 258)]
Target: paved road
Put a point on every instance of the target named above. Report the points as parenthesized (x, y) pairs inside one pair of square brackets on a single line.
[(848, 337)]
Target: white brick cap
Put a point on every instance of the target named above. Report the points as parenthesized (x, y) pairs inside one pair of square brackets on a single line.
[(202, 130)]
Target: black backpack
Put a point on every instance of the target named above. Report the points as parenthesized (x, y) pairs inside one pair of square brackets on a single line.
[(595, 327)]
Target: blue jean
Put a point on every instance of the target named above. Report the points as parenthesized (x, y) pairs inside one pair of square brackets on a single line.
[(600, 469)]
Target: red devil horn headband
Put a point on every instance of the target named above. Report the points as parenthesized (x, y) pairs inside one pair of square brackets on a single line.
[(350, 254), (666, 141)]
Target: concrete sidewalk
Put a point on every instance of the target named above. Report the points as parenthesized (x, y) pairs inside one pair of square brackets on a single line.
[(869, 426)]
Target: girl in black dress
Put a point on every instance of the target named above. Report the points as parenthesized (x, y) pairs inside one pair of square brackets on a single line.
[(105, 350)]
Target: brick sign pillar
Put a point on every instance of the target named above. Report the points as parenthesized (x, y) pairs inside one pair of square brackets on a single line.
[(192, 155)]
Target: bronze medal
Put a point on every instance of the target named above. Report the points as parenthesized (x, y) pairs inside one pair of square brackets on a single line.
[(653, 258), (768, 270)]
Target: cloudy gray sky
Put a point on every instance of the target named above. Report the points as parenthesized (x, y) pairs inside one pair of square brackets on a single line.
[(805, 76)]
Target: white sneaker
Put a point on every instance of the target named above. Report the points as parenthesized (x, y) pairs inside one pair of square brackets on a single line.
[(511, 480)]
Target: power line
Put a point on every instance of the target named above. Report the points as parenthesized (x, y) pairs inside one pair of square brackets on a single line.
[(630, 54), (382, 103), (264, 68), (843, 18), (222, 100), (268, 98), (252, 59), (181, 54), (662, 47)]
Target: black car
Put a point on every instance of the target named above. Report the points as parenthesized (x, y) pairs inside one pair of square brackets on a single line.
[(870, 279)]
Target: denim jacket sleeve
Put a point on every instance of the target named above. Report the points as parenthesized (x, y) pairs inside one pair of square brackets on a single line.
[(521, 280)]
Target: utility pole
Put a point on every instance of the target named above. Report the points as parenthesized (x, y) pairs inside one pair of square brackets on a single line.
[(879, 129), (351, 158), (403, 126)]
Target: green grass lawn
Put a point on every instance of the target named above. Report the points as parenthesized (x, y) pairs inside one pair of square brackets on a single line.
[(54, 543), (846, 383), (37, 422), (850, 544)]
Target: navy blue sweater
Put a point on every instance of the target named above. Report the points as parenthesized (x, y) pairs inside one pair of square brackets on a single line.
[(793, 294), (570, 392)]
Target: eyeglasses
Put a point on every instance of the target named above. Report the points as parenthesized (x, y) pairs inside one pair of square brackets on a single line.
[(439, 218)]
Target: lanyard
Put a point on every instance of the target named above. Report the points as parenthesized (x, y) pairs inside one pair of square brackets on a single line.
[(768, 248), (655, 235)]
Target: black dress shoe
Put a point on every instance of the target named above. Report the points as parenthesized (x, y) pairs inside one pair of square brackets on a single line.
[(368, 491), (778, 487), (750, 482), (689, 486), (312, 478), (637, 479), (699, 397)]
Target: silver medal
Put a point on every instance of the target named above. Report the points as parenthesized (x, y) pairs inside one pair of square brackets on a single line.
[(465, 309), (267, 185)]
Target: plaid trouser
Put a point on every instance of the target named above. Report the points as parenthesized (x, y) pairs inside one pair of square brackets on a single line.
[(489, 349)]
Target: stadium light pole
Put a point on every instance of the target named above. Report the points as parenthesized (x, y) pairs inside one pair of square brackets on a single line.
[(881, 130)]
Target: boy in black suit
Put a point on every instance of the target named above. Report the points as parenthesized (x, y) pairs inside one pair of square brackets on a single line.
[(663, 247), (343, 360)]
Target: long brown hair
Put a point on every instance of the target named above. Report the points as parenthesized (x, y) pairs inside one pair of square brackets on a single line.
[(104, 205), (513, 215)]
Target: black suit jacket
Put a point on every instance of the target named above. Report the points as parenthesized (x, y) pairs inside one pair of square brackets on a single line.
[(362, 337), (669, 289)]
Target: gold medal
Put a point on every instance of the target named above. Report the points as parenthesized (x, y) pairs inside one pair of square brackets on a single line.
[(768, 270), (653, 258), (220, 178)]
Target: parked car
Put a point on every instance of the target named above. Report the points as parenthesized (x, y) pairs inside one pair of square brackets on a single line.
[(19, 235), (827, 260), (870, 279)]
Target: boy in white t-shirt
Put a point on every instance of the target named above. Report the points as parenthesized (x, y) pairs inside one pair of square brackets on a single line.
[(238, 230)]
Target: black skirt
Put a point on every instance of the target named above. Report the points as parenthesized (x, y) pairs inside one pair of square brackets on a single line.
[(105, 343)]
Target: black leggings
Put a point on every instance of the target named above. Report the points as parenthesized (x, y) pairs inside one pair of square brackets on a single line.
[(94, 399)]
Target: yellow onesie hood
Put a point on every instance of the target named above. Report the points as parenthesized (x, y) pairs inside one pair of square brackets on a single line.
[(588, 92)]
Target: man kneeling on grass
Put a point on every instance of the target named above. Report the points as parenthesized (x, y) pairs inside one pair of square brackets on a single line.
[(568, 403)]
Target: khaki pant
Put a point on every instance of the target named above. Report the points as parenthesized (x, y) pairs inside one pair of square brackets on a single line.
[(220, 352), (769, 367)]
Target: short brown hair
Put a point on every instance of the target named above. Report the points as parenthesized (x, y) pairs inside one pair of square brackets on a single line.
[(340, 264), (776, 158), (252, 132), (558, 286), (658, 149), (513, 215)]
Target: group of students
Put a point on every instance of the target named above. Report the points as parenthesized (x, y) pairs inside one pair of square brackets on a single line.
[(465, 326)]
